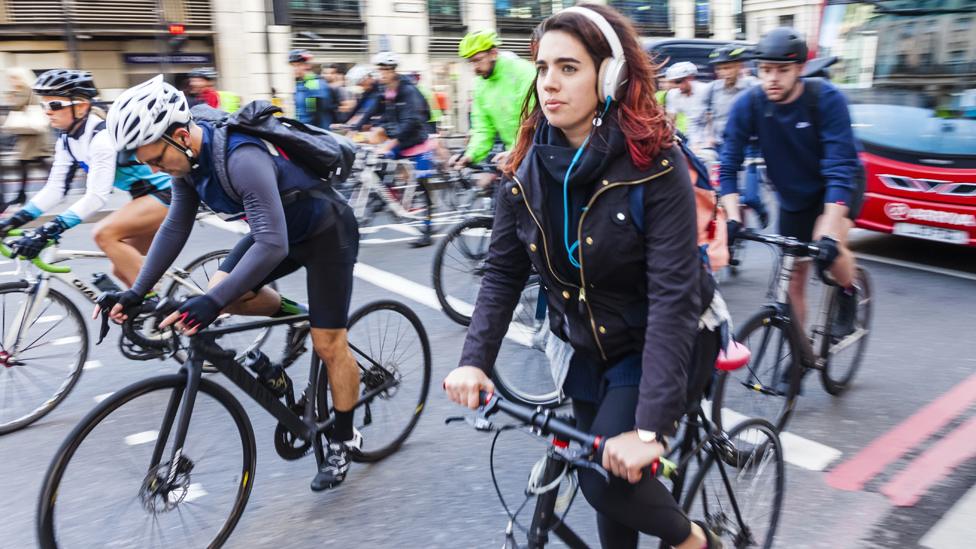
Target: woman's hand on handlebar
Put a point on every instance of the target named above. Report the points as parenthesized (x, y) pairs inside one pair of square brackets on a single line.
[(627, 456), (117, 303), (464, 383)]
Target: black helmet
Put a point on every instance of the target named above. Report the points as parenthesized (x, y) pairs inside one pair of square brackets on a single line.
[(729, 53), (66, 83), (207, 73), (299, 56), (781, 45)]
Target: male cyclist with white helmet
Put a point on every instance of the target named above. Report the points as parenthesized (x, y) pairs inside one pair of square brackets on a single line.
[(404, 128), (685, 101), (496, 104), (66, 97), (804, 131), (290, 228)]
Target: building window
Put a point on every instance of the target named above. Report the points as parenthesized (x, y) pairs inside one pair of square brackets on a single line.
[(787, 20), (445, 16), (326, 5), (649, 16), (703, 19)]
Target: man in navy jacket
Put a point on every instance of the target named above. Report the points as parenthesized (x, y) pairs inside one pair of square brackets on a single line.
[(805, 135)]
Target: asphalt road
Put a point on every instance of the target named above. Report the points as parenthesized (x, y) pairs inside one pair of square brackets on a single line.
[(843, 487)]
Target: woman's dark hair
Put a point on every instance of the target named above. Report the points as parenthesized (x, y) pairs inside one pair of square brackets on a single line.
[(644, 122)]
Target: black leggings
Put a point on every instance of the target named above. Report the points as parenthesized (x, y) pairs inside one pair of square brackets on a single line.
[(624, 509)]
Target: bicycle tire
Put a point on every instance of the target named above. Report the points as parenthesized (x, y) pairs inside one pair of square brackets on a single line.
[(765, 449), (449, 305), (73, 375), (50, 488), (837, 384), (777, 414), (361, 317)]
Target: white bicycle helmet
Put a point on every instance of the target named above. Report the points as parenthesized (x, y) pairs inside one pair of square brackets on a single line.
[(358, 73), (143, 113), (386, 59)]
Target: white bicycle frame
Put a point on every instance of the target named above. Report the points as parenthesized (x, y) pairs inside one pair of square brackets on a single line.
[(369, 183)]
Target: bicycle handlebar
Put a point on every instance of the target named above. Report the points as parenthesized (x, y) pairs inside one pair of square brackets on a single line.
[(37, 261), (789, 244), (546, 423)]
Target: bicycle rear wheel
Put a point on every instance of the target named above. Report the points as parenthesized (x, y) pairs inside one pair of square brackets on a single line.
[(768, 385), (843, 358), (522, 372), (390, 345), (41, 356), (459, 265), (741, 495), (104, 490)]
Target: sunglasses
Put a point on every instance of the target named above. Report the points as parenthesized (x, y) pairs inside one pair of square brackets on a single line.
[(55, 106)]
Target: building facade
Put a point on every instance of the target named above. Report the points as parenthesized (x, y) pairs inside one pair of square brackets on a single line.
[(125, 41)]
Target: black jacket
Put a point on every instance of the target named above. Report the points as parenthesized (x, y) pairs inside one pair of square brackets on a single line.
[(405, 118), (632, 292)]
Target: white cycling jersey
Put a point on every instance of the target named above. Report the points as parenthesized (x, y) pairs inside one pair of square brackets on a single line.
[(94, 153)]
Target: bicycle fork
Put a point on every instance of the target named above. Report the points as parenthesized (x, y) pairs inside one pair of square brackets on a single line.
[(27, 311), (180, 408)]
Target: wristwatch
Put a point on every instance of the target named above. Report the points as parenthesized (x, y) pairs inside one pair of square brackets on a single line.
[(651, 436)]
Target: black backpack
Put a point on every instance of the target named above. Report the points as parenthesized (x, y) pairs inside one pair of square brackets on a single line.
[(322, 153)]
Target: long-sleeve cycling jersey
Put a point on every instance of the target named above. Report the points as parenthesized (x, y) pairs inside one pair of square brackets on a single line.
[(93, 151)]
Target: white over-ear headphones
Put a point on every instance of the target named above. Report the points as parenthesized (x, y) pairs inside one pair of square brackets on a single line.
[(613, 70)]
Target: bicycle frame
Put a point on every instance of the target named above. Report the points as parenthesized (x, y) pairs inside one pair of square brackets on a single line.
[(204, 348), (370, 183), (545, 519)]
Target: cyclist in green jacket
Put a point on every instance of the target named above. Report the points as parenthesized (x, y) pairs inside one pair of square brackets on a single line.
[(498, 95)]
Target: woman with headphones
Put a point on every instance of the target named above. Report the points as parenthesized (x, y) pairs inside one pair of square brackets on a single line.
[(621, 265)]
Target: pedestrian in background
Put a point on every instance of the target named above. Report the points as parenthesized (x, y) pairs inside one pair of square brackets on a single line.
[(314, 100), (27, 121), (344, 97)]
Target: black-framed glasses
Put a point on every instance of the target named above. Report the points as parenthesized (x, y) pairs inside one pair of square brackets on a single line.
[(156, 162), (55, 106)]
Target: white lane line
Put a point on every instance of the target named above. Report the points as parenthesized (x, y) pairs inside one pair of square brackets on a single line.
[(956, 529), (48, 318), (92, 364), (10, 272), (916, 266), (103, 396), (376, 241), (141, 438), (427, 297), (66, 340), (799, 451), (194, 491)]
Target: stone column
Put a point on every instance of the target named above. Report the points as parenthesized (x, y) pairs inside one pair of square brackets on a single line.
[(722, 20), (400, 26), (683, 13)]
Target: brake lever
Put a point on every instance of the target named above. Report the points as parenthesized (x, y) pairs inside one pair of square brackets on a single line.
[(479, 423), (103, 330)]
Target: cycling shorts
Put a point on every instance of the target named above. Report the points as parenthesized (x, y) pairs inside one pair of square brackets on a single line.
[(140, 189), (799, 224), (328, 258)]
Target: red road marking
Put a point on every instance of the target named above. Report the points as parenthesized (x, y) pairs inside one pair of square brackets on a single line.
[(855, 472), (932, 466)]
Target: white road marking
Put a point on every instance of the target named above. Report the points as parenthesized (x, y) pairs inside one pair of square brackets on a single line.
[(141, 438), (92, 364), (799, 451), (194, 491), (956, 529), (103, 396), (48, 318), (916, 266), (66, 340)]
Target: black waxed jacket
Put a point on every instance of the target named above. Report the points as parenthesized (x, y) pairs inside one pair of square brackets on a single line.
[(632, 292)]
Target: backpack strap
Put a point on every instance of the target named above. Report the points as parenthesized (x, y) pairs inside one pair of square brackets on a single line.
[(219, 152)]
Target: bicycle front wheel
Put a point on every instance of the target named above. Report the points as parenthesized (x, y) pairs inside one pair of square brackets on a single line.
[(741, 495), (768, 385), (459, 265), (842, 358), (199, 273), (115, 483), (42, 353), (391, 347)]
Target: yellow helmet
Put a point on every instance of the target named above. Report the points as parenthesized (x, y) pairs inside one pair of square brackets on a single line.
[(477, 42)]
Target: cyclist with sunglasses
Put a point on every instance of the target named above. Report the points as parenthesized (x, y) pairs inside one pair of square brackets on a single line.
[(67, 98)]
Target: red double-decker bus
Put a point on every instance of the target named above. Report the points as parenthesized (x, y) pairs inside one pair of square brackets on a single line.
[(908, 68)]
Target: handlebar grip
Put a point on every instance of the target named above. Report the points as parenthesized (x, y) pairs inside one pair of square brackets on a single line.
[(135, 336), (37, 261)]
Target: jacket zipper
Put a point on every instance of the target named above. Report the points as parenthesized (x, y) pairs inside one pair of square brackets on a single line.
[(579, 238), (545, 247)]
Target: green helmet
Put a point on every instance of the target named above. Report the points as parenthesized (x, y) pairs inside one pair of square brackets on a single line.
[(477, 42)]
